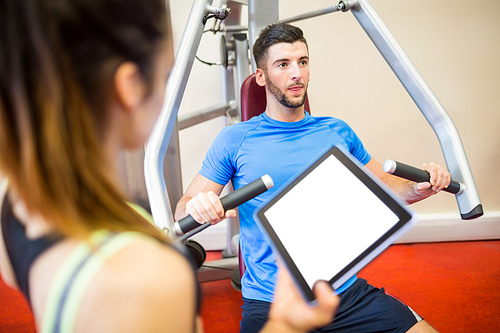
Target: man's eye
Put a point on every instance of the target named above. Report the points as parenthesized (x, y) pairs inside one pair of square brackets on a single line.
[(282, 65), (303, 63)]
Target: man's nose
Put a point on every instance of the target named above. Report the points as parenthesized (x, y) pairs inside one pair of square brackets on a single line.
[(295, 73)]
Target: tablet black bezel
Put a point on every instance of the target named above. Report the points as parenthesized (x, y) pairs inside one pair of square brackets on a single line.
[(396, 207)]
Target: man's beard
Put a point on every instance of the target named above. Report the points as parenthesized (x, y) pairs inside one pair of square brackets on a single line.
[(282, 98)]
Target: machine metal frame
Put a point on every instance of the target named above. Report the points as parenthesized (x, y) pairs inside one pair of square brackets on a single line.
[(260, 14)]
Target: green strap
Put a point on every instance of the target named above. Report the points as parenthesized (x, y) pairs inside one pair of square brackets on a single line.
[(73, 278)]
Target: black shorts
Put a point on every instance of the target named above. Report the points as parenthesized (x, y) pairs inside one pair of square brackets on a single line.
[(363, 308)]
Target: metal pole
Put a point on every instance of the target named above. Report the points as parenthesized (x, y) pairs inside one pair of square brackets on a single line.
[(158, 142), (451, 144), (312, 14), (242, 65), (261, 13), (197, 117)]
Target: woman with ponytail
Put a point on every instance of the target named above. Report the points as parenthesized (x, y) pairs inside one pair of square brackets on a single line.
[(80, 81)]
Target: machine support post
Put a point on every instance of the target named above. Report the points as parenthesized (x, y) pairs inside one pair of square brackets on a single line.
[(261, 13), (451, 144), (243, 65), (159, 139)]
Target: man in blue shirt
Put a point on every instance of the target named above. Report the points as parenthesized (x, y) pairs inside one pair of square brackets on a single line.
[(280, 142)]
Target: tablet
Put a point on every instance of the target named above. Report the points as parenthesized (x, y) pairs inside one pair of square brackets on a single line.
[(331, 219)]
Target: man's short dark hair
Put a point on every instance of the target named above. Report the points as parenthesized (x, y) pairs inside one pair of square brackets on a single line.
[(273, 34)]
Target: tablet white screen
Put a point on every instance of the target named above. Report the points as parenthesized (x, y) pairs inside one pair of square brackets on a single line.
[(328, 219)]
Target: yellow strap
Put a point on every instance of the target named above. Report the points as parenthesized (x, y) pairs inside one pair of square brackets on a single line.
[(3, 186), (144, 213)]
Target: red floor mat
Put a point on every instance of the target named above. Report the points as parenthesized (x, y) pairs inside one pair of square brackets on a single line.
[(454, 286)]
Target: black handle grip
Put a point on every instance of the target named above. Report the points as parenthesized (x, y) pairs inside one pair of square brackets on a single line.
[(418, 175), (230, 201)]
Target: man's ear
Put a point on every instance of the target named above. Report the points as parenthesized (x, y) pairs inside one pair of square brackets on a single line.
[(129, 86), (260, 77)]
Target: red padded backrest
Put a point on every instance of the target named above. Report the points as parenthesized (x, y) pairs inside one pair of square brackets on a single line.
[(253, 99)]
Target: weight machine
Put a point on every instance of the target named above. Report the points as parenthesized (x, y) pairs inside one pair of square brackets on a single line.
[(165, 189)]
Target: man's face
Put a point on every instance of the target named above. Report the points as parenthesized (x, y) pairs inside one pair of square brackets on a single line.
[(287, 73)]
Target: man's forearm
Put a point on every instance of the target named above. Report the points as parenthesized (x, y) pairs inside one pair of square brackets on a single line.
[(405, 189)]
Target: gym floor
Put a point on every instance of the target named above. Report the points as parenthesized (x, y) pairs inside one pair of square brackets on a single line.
[(454, 286)]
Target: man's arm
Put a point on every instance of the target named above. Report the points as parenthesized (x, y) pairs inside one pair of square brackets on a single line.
[(409, 190), (202, 202)]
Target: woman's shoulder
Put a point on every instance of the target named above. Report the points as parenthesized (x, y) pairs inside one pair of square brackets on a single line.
[(144, 254), (145, 285), (146, 268)]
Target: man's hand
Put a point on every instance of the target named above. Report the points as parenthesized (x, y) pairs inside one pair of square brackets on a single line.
[(207, 207), (409, 190), (439, 179)]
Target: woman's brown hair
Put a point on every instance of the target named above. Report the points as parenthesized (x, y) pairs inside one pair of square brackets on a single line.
[(57, 63)]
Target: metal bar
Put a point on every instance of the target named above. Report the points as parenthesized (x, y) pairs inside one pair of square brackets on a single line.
[(197, 117), (451, 144), (217, 270), (172, 171), (242, 66), (261, 13), (230, 91), (234, 28), (158, 142), (312, 14)]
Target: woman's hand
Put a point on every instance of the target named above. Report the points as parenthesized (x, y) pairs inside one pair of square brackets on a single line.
[(291, 313)]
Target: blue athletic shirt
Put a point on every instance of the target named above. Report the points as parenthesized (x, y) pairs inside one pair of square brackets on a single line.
[(245, 152)]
